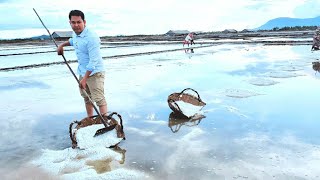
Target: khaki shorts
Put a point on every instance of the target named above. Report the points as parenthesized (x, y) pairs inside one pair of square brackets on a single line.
[(95, 89)]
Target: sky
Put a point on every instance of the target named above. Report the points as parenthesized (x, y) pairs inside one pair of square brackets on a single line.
[(131, 17)]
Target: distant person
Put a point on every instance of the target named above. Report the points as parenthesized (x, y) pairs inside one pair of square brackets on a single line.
[(189, 39), (316, 40), (90, 65)]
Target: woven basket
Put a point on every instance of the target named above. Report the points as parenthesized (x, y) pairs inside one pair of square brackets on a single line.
[(176, 121), (185, 97), (110, 121)]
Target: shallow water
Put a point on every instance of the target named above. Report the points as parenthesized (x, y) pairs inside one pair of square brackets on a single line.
[(257, 130)]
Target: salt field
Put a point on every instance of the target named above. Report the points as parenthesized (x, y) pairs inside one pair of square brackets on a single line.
[(260, 119)]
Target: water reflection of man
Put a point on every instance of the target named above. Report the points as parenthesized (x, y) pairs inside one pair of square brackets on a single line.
[(316, 66), (187, 50)]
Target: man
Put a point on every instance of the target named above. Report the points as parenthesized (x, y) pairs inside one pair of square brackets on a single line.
[(90, 65), (189, 39), (316, 40)]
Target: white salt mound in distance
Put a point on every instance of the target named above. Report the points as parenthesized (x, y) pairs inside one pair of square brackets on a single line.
[(291, 68), (262, 82), (284, 74), (239, 93), (85, 137), (188, 109)]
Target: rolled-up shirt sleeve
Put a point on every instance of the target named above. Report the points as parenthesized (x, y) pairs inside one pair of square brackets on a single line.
[(71, 41), (94, 53)]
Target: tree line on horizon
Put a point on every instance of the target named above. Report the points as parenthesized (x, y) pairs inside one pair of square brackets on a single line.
[(286, 28), (293, 28)]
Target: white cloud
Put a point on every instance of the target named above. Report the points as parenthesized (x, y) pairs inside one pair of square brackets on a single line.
[(310, 6), (154, 17)]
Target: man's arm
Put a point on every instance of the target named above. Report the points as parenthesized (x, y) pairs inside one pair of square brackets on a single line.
[(60, 47), (83, 81), (95, 57)]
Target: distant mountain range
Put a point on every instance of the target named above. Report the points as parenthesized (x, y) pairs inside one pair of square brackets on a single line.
[(289, 22), (42, 37)]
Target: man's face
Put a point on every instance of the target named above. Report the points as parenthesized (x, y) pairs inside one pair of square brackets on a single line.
[(77, 24)]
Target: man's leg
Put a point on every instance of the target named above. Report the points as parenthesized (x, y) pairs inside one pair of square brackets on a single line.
[(88, 104), (103, 109), (96, 86), (89, 108)]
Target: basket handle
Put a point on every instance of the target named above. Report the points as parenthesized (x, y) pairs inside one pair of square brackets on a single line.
[(193, 91), (74, 142), (177, 128), (115, 113), (173, 101), (195, 123)]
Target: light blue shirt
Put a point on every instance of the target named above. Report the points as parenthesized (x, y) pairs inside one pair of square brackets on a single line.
[(87, 47)]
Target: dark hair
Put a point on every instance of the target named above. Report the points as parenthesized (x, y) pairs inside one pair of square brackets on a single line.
[(76, 13)]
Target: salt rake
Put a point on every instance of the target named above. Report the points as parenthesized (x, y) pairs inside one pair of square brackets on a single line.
[(99, 131)]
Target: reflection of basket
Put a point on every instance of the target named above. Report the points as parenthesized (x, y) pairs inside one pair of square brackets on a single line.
[(110, 121), (316, 66), (177, 120), (185, 97)]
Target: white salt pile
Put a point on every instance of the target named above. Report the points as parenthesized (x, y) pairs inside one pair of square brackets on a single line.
[(94, 163), (92, 160), (117, 174), (85, 137), (188, 109)]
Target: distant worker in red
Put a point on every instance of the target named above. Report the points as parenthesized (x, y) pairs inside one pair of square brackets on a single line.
[(189, 39)]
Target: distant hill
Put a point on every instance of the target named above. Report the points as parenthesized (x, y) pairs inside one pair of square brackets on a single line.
[(42, 37), (289, 22)]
